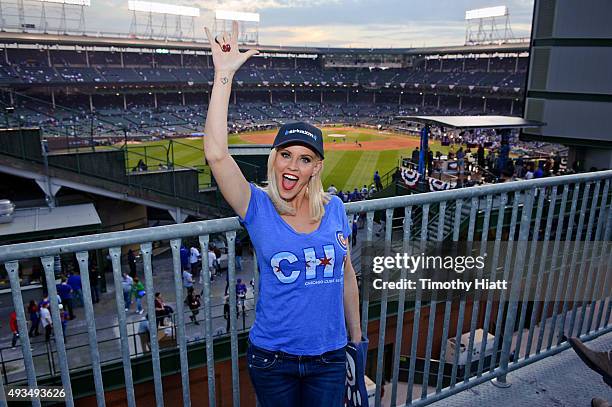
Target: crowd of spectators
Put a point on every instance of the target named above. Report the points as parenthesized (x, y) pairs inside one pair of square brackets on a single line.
[(40, 66)]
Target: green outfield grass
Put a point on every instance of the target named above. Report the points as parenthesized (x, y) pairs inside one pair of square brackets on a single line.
[(345, 169)]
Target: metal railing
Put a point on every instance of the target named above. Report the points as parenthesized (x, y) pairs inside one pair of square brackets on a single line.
[(503, 317), (45, 353)]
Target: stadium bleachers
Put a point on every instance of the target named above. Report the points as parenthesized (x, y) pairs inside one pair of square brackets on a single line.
[(31, 66)]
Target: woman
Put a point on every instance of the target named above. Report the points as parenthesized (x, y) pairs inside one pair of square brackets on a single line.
[(308, 290), (161, 309)]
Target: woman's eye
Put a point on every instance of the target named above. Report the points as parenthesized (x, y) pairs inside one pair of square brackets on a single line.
[(305, 160), (285, 155)]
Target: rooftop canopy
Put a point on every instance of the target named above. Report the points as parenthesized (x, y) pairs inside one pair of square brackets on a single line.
[(474, 122)]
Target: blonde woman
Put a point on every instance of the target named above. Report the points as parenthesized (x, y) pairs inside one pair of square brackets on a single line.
[(308, 291)]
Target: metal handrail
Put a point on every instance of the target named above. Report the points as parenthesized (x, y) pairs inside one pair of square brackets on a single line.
[(594, 225)]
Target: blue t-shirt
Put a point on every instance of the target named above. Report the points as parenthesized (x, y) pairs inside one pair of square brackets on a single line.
[(300, 309), (74, 281)]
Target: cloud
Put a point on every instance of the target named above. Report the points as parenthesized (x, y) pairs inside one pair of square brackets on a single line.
[(256, 5), (371, 35), (356, 23)]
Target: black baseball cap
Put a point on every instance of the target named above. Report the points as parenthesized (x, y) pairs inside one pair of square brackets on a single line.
[(300, 133)]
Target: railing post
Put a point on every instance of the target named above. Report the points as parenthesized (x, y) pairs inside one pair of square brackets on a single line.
[(60, 347), (12, 269), (3, 368), (146, 249), (513, 299)]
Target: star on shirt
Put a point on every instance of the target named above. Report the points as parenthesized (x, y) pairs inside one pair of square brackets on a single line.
[(324, 261)]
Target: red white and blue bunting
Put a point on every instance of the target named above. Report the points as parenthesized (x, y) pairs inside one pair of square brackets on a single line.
[(438, 185), (411, 178)]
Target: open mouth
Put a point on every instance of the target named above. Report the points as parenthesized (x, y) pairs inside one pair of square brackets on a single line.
[(289, 181)]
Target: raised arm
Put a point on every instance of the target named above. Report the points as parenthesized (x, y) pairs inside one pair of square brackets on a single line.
[(232, 184)]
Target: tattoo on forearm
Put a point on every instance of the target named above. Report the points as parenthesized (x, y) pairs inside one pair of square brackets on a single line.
[(224, 80)]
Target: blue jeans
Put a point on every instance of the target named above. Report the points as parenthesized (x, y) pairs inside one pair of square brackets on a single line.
[(127, 298), (138, 304), (281, 379), (78, 298)]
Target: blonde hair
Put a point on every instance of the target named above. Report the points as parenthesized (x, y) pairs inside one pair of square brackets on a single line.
[(317, 197)]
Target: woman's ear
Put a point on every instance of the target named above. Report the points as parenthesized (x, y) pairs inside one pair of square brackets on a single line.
[(318, 167)]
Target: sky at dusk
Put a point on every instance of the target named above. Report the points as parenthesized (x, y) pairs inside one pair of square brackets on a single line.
[(336, 23)]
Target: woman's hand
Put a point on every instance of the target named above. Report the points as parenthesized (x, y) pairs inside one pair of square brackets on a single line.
[(231, 60)]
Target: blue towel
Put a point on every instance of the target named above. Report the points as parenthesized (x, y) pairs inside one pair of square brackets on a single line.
[(356, 392)]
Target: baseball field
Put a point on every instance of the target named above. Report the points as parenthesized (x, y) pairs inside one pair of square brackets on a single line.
[(352, 154)]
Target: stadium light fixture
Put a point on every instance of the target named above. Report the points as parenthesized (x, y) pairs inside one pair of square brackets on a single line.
[(85, 3), (161, 8), (488, 12), (236, 15)]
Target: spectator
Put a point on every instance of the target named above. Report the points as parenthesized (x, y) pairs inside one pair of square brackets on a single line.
[(539, 173), (187, 280), (64, 319), (509, 170), (238, 257), (94, 284), (65, 293), (556, 163), (126, 285), (490, 160), (74, 281), (213, 264), (34, 319), (132, 263), (14, 329), (144, 335), (193, 302), (241, 291), (364, 192), (332, 190), (161, 309), (416, 153), (548, 165), (184, 253), (372, 190), (138, 291), (218, 254), (519, 169), (45, 320), (194, 261), (460, 160), (480, 156), (377, 181)]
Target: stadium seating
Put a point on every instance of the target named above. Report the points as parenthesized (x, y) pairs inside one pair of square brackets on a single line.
[(32, 66)]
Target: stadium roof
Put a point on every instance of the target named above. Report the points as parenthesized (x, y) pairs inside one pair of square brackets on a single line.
[(475, 122), (129, 42), (44, 219)]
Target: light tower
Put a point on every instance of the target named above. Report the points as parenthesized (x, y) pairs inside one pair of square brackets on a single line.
[(148, 8), (248, 25), (488, 25), (61, 16)]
